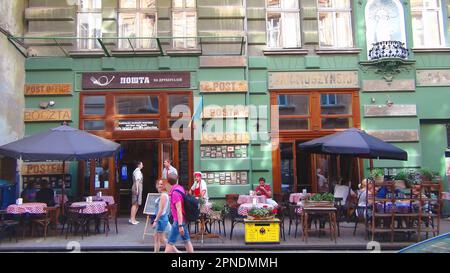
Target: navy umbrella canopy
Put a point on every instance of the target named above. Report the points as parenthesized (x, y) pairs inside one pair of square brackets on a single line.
[(62, 143), (356, 143)]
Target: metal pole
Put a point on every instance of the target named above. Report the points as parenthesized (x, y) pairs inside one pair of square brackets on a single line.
[(63, 186)]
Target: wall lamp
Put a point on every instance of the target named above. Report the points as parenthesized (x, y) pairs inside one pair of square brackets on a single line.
[(46, 104)]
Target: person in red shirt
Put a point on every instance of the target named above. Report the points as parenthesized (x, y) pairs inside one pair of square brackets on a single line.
[(263, 189)]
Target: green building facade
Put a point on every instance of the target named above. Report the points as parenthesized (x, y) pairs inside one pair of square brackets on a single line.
[(258, 53)]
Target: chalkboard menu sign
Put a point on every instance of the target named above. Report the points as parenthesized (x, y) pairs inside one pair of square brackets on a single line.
[(223, 151), (225, 178), (55, 180)]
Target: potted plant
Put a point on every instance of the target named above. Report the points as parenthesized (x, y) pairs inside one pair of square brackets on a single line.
[(377, 174), (320, 200), (263, 213), (426, 174), (400, 179)]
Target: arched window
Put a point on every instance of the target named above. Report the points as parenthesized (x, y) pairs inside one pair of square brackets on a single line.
[(384, 22)]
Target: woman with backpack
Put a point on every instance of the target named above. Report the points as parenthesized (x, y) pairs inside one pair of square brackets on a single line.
[(177, 206), (161, 221)]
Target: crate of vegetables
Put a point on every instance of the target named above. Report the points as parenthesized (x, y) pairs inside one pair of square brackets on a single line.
[(320, 200)]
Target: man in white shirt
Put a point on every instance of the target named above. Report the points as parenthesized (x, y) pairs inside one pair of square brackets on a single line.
[(168, 169), (199, 187), (136, 192)]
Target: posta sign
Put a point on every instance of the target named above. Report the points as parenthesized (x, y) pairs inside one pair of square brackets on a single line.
[(135, 80)]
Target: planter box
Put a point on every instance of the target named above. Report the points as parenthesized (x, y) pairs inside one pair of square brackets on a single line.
[(318, 204)]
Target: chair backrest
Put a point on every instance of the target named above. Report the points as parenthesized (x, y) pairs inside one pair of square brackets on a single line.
[(231, 199)]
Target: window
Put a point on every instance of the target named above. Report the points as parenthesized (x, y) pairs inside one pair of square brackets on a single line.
[(335, 23), (336, 111), (94, 105), (137, 105), (137, 18), (293, 112), (384, 22), (427, 23), (283, 24), (184, 24), (89, 20)]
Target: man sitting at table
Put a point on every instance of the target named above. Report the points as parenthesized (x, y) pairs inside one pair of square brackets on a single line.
[(264, 189), (45, 195), (29, 193)]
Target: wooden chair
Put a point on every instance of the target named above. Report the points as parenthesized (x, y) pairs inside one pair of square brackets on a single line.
[(280, 216), (236, 218), (8, 226), (294, 218), (219, 219), (42, 220), (75, 219), (112, 214)]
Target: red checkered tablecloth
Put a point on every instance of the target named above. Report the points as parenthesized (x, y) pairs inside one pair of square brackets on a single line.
[(297, 197), (33, 208), (248, 199), (95, 207), (105, 198), (244, 208)]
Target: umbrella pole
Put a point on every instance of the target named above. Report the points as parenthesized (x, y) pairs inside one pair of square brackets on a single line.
[(371, 164), (63, 186)]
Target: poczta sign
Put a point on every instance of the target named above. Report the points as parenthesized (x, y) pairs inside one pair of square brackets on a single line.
[(47, 115), (135, 80)]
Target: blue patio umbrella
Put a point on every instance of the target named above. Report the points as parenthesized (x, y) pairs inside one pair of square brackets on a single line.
[(62, 143), (354, 142)]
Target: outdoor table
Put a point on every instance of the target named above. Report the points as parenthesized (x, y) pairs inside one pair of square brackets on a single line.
[(95, 207), (244, 208), (105, 198), (328, 211), (248, 199), (297, 197), (31, 208), (205, 209)]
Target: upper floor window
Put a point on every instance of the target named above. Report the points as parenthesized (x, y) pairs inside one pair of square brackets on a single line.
[(89, 23), (184, 23), (283, 24), (137, 18), (427, 23), (384, 22), (335, 23)]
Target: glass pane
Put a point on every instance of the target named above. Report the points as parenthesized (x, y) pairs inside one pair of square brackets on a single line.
[(191, 29), (178, 29), (101, 180), (147, 4), (181, 123), (287, 167), (335, 104), (137, 105), (322, 172), (94, 125), (273, 29), (433, 31), (336, 123), (325, 3), (94, 105), (341, 4), (166, 152), (416, 3), (289, 4), (293, 124), (417, 24), (326, 30), (148, 29), (273, 4), (344, 29), (90, 4), (293, 104), (190, 3), (290, 26), (128, 4), (177, 3), (183, 159), (182, 101), (127, 28)]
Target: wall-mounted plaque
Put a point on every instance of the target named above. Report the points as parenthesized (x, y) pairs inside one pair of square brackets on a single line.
[(226, 178), (135, 80), (224, 86), (225, 138), (55, 180), (32, 115), (229, 111), (136, 125), (42, 89), (43, 168), (313, 80)]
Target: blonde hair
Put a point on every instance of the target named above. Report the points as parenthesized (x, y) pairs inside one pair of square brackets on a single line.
[(163, 181)]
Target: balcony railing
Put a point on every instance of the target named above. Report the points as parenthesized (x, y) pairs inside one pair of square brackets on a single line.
[(388, 49)]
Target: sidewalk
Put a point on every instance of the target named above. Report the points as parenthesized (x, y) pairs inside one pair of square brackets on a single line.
[(130, 239)]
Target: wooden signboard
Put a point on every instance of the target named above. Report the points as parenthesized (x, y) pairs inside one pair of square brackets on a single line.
[(228, 111), (313, 80), (225, 138), (42, 89), (33, 115), (43, 168), (224, 86)]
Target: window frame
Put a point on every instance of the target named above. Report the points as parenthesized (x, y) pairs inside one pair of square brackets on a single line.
[(91, 14), (139, 14), (185, 11), (282, 11), (334, 11), (441, 22)]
